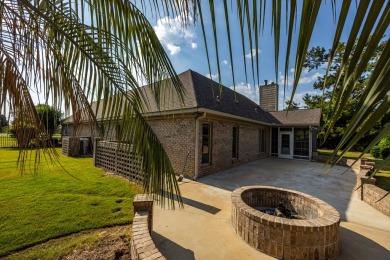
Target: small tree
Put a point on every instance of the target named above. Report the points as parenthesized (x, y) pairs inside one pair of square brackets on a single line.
[(49, 117), (3, 122)]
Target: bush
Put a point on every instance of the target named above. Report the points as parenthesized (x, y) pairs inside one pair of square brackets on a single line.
[(385, 152), (382, 150), (376, 151)]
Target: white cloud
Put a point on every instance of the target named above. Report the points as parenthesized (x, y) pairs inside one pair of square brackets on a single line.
[(247, 90), (173, 35), (298, 97), (225, 62), (303, 80), (254, 53), (173, 49), (212, 76)]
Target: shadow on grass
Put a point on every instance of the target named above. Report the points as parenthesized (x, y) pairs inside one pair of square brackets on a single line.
[(170, 249)]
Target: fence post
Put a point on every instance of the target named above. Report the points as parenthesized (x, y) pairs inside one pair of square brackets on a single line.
[(95, 146)]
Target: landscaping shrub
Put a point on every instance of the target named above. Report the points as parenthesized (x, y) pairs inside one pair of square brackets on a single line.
[(376, 151), (385, 152), (382, 150)]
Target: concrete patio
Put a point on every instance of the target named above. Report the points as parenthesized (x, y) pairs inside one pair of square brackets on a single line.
[(202, 230)]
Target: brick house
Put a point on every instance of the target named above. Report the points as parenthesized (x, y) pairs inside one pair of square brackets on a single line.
[(210, 133)]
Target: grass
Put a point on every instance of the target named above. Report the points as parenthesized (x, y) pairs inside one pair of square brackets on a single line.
[(382, 177), (55, 203)]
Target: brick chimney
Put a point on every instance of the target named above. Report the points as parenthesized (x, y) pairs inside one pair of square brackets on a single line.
[(269, 96)]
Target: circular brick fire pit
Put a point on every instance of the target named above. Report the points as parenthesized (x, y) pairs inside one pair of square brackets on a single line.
[(314, 236)]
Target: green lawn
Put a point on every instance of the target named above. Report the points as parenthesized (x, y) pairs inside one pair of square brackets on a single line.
[(383, 176), (55, 203), (349, 155)]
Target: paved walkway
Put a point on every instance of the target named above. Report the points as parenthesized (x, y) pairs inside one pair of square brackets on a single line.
[(202, 230)]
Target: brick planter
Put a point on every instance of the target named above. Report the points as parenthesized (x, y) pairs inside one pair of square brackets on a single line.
[(316, 237)]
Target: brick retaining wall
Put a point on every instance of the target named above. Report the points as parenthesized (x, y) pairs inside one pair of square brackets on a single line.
[(377, 198), (142, 245)]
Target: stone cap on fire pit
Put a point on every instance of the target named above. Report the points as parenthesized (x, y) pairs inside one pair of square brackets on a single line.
[(316, 236)]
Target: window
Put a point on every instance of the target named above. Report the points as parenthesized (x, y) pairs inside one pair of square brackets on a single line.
[(301, 142), (262, 141), (235, 143), (206, 143)]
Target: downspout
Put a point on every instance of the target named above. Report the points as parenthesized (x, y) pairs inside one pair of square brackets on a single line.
[(197, 144)]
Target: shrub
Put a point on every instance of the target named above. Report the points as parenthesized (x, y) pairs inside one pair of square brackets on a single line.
[(382, 150), (385, 152), (376, 151)]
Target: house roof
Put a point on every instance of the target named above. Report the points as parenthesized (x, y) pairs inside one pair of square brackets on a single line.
[(298, 117), (204, 93)]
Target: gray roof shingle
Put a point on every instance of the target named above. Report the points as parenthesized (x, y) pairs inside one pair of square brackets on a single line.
[(302, 117), (202, 92)]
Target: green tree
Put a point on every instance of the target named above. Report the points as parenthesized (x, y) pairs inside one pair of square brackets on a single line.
[(326, 84), (49, 117), (3, 121), (78, 51), (292, 106)]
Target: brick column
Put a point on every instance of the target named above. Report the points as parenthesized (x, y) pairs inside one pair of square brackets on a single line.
[(144, 202)]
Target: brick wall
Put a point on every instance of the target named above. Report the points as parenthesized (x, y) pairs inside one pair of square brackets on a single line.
[(376, 198), (178, 138), (315, 237), (222, 142), (269, 95)]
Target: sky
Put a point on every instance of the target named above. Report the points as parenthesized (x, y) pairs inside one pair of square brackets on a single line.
[(186, 50)]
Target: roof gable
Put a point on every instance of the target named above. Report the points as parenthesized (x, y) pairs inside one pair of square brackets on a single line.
[(202, 92)]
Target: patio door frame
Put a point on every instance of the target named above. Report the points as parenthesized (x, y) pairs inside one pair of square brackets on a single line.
[(291, 137)]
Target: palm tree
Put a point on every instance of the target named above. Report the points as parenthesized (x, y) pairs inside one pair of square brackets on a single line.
[(83, 50), (79, 51)]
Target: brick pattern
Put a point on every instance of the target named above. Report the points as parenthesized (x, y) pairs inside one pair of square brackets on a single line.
[(142, 245), (117, 158), (222, 142), (177, 136), (316, 237), (269, 95), (377, 198), (374, 196)]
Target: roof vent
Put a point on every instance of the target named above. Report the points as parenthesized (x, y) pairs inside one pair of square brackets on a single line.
[(218, 100), (256, 109), (236, 101)]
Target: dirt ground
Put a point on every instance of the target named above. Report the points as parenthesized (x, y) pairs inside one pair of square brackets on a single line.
[(114, 243), (104, 243)]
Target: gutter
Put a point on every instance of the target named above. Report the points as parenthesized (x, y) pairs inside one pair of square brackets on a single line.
[(197, 144), (205, 110)]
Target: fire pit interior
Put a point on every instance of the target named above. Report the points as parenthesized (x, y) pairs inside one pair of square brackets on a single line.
[(286, 224)]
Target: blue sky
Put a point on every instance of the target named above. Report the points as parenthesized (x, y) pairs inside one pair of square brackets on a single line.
[(186, 50)]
